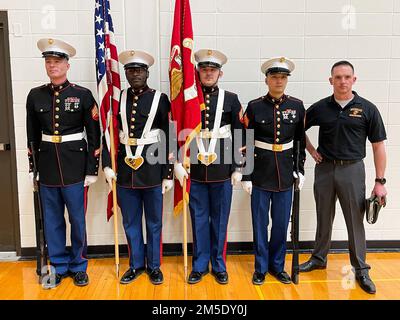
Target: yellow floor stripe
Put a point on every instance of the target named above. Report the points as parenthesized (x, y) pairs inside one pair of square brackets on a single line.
[(259, 292), (331, 281)]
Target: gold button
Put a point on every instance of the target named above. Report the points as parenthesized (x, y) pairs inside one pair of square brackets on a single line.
[(56, 132), (278, 126), (57, 93), (61, 87), (135, 104), (58, 100), (208, 108), (133, 119), (207, 96), (131, 134), (277, 106), (207, 129), (207, 101), (136, 98), (57, 125), (278, 112), (207, 115), (278, 119), (132, 127), (277, 140), (57, 109), (278, 133), (56, 116), (207, 122), (134, 112)]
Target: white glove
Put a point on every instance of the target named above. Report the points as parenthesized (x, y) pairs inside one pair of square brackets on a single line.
[(89, 180), (166, 185), (247, 186), (236, 177), (180, 172), (301, 178), (31, 178), (110, 175)]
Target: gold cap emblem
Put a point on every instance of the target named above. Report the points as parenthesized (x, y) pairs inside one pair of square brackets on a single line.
[(282, 59), (51, 41), (132, 53), (209, 52)]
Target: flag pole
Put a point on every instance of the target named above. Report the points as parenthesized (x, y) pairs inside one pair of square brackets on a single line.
[(185, 263), (112, 147), (114, 193)]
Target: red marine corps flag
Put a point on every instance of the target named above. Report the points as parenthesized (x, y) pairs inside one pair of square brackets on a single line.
[(186, 102), (186, 95)]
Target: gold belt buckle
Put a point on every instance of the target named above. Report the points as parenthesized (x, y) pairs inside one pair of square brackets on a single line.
[(132, 141), (277, 147), (56, 139)]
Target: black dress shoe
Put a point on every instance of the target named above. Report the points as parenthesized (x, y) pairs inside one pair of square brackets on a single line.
[(366, 283), (258, 278), (156, 276), (281, 276), (81, 278), (53, 281), (310, 265), (195, 276), (221, 277), (131, 274)]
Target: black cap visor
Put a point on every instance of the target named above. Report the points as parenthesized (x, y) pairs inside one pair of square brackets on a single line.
[(277, 70), (55, 54), (135, 65), (211, 64)]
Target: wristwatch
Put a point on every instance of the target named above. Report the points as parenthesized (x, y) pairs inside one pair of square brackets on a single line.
[(381, 180)]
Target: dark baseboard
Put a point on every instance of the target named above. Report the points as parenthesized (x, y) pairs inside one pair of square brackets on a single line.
[(175, 249)]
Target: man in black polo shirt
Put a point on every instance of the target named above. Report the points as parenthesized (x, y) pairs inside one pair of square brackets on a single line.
[(345, 121)]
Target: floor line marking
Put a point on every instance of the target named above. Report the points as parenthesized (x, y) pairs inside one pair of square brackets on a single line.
[(259, 292)]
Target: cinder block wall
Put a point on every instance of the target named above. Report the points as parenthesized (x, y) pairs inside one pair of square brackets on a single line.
[(313, 33)]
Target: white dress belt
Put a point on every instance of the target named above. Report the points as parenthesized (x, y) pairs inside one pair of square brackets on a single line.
[(223, 133), (65, 138), (152, 136), (274, 147)]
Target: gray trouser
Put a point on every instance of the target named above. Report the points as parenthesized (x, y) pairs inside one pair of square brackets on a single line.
[(346, 182)]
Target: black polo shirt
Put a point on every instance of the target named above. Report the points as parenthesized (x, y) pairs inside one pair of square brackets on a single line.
[(343, 131)]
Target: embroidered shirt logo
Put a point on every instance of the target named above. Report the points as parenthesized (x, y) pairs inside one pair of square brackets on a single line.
[(356, 112)]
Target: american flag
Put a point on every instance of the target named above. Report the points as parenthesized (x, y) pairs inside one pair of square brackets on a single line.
[(107, 73), (108, 79)]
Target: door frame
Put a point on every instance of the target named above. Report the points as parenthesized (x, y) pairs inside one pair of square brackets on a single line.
[(9, 105)]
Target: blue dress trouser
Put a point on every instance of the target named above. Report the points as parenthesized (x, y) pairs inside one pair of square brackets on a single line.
[(270, 255), (210, 205), (54, 200), (132, 202)]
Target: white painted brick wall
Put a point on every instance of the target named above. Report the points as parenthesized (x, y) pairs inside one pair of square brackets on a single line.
[(309, 31)]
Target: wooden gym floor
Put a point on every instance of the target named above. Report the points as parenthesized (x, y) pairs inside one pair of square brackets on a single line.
[(18, 281)]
